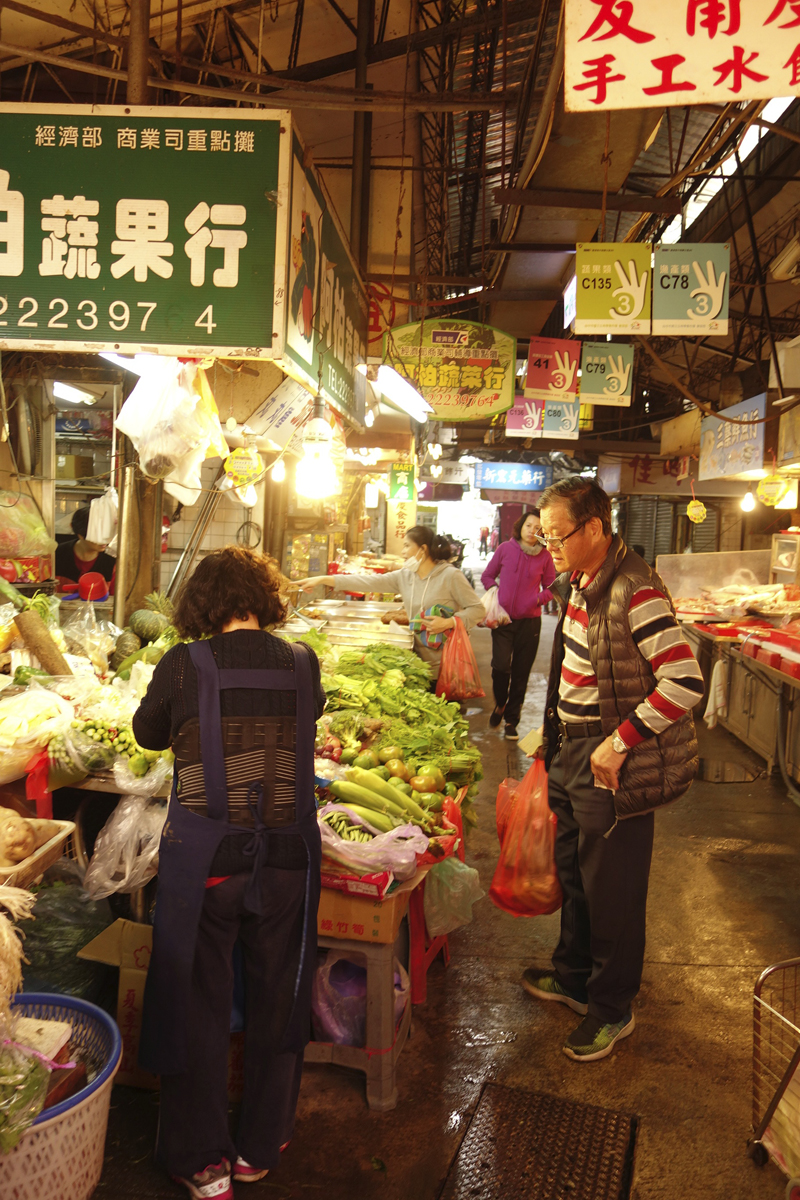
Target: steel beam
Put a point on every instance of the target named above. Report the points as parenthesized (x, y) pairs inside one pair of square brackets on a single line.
[(550, 198), (138, 42)]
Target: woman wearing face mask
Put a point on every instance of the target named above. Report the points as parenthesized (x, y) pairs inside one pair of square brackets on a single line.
[(426, 579), (526, 571)]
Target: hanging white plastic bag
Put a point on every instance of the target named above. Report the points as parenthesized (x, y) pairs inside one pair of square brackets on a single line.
[(495, 613), (451, 889), (141, 785), (126, 851), (103, 518)]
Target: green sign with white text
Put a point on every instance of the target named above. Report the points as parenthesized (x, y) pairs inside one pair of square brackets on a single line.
[(159, 230)]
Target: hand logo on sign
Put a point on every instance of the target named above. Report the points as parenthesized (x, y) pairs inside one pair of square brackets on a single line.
[(569, 418), (564, 373), (618, 373), (631, 292), (529, 420), (710, 293)]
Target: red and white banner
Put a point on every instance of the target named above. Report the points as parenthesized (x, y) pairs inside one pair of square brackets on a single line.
[(641, 53)]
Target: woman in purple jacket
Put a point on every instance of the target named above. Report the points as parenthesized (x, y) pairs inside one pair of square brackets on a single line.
[(526, 571)]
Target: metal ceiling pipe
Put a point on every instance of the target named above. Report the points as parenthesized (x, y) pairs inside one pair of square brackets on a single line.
[(362, 132), (138, 42)]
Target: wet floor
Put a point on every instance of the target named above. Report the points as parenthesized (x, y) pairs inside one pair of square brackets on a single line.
[(723, 904)]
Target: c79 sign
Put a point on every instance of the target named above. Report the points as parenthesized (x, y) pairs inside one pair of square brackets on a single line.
[(143, 229)]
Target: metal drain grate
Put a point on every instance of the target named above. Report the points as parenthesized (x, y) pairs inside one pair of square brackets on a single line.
[(522, 1145)]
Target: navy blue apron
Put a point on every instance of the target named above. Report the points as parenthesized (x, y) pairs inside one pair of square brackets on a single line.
[(188, 845)]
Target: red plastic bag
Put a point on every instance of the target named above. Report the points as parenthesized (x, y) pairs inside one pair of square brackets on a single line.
[(459, 678), (525, 883)]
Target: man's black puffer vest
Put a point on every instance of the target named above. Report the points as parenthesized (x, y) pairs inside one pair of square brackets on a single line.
[(660, 769)]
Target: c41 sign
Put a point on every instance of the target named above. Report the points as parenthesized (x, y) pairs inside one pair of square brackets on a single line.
[(143, 229), (639, 53)]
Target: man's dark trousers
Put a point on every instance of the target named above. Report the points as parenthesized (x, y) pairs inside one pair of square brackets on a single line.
[(603, 869)]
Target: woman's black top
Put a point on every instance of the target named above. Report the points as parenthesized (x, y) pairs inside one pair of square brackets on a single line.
[(67, 566), (172, 700)]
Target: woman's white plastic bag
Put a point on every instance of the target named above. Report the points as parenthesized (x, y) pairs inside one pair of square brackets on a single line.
[(125, 854), (395, 851), (103, 518), (495, 613)]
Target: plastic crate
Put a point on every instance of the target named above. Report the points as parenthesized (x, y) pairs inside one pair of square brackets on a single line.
[(61, 1154)]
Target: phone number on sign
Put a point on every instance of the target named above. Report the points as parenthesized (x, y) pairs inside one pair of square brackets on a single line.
[(119, 316)]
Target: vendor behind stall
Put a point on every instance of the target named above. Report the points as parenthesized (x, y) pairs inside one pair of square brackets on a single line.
[(77, 556), (239, 861), (433, 591)]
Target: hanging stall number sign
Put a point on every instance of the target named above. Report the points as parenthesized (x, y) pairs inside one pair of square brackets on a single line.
[(518, 477), (613, 287), (143, 229), (524, 420), (637, 54), (464, 370), (772, 490), (560, 420), (401, 482), (607, 373), (691, 283), (552, 369), (732, 449)]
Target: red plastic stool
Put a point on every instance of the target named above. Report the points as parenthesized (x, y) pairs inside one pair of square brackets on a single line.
[(422, 949)]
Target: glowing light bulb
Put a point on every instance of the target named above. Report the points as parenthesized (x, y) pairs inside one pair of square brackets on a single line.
[(369, 418), (748, 501), (278, 472)]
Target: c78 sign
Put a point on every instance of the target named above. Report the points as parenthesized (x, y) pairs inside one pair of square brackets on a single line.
[(143, 229)]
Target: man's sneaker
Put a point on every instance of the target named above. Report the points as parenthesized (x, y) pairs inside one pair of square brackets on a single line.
[(212, 1184), (496, 717), (511, 733), (544, 985), (244, 1173), (595, 1039)]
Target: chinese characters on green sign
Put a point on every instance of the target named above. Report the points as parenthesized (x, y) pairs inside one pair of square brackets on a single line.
[(139, 229), (401, 481)]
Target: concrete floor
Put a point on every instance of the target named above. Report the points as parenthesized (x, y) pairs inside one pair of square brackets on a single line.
[(723, 904)]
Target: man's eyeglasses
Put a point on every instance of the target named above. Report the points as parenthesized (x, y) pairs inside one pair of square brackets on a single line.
[(556, 543)]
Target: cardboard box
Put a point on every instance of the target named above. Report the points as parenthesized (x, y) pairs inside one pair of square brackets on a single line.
[(74, 466), (364, 920), (128, 945)]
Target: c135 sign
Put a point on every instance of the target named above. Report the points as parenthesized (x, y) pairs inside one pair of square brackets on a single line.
[(143, 229)]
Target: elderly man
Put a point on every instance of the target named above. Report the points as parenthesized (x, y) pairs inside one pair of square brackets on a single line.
[(619, 742)]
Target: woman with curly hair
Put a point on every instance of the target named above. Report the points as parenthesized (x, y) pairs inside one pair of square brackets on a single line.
[(239, 862)]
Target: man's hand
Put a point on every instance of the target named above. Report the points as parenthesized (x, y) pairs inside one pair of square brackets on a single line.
[(606, 764), (540, 750), (438, 624)]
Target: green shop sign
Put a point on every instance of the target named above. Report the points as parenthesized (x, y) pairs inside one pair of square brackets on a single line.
[(161, 230), (401, 481), (327, 311), (464, 370)]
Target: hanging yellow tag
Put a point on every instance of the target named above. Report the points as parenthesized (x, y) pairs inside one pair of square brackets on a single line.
[(772, 489), (696, 511)]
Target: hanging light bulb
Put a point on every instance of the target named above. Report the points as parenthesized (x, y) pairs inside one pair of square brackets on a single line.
[(278, 472), (369, 418), (436, 470), (371, 495), (748, 501), (315, 475)]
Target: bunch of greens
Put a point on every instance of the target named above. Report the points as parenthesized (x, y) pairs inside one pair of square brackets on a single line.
[(402, 667), (23, 1089)]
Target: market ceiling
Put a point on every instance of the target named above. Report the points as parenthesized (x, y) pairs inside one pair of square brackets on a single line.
[(474, 96)]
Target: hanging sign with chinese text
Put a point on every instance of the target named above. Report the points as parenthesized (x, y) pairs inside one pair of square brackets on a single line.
[(607, 373), (327, 310), (613, 287), (552, 369), (772, 490), (524, 420), (732, 449), (464, 370), (640, 54), (560, 419), (691, 283), (518, 477), (143, 229), (401, 482), (401, 515)]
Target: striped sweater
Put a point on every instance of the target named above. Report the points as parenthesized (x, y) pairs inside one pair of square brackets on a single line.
[(678, 680)]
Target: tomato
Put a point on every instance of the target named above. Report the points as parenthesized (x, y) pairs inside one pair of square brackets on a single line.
[(367, 760), (450, 790), (401, 785), (431, 800), (389, 752), (381, 772), (395, 767), (349, 756), (428, 769), (423, 783)]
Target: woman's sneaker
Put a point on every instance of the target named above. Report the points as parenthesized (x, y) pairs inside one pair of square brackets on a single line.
[(212, 1184), (496, 717), (595, 1039), (511, 733), (244, 1173), (544, 985)]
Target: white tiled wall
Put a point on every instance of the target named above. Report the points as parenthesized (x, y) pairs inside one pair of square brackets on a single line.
[(221, 532)]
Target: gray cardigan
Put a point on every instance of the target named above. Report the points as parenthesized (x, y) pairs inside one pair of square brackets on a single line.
[(445, 585)]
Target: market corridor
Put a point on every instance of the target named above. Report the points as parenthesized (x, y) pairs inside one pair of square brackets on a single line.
[(724, 903)]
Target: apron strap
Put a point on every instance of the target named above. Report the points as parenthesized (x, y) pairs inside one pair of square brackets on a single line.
[(306, 728), (211, 730)]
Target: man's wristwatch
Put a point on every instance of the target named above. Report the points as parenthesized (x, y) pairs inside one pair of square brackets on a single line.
[(618, 745)]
